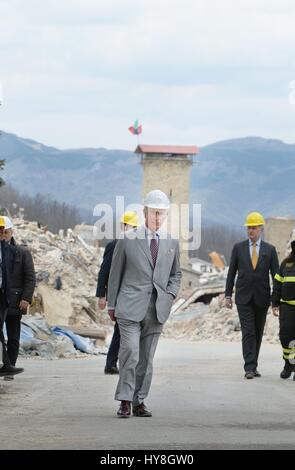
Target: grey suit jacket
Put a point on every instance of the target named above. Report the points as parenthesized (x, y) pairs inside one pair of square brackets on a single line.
[(133, 277)]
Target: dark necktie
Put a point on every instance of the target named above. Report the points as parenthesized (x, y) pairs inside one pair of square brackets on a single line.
[(154, 250)]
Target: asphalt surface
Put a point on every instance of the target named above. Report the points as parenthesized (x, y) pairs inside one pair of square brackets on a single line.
[(199, 399)]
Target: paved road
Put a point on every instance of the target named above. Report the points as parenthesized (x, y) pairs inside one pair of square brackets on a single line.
[(199, 399)]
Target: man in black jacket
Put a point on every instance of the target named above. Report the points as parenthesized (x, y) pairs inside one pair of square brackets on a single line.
[(22, 285), (7, 258), (128, 221), (253, 260)]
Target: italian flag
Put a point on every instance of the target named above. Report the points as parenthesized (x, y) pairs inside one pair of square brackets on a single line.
[(136, 129)]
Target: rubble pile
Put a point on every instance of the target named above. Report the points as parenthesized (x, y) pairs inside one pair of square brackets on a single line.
[(214, 323), (38, 339), (66, 271)]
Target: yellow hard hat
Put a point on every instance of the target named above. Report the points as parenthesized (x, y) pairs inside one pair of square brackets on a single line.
[(253, 219), (130, 218), (2, 221)]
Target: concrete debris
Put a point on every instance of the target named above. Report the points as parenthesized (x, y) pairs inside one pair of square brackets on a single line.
[(38, 339), (68, 258), (200, 293), (199, 322), (49, 346)]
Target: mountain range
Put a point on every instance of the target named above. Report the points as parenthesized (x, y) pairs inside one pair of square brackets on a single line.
[(229, 178)]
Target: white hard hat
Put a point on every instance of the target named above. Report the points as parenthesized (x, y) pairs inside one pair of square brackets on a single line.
[(8, 223), (156, 199)]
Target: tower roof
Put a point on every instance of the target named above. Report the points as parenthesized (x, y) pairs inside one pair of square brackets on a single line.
[(168, 149)]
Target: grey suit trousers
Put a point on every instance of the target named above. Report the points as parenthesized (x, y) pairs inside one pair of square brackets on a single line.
[(137, 349)]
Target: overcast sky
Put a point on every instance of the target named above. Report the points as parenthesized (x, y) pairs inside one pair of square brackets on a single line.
[(77, 73)]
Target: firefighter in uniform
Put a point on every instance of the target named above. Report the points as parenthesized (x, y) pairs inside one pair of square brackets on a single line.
[(283, 305)]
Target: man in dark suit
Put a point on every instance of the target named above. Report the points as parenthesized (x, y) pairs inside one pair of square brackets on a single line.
[(253, 260), (22, 285), (128, 221), (7, 258)]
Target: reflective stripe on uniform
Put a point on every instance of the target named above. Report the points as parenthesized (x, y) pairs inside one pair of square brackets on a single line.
[(287, 350), (289, 302), (289, 356), (289, 353), (285, 279)]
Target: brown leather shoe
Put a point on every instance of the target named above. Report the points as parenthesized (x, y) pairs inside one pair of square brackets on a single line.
[(141, 411), (125, 409)]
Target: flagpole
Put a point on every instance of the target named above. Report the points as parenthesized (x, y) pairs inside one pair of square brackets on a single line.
[(139, 121), (134, 130)]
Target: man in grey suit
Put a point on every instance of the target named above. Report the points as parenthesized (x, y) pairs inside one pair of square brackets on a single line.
[(253, 260), (144, 280)]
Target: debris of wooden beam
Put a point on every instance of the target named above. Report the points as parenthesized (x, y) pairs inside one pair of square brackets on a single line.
[(91, 313), (86, 332)]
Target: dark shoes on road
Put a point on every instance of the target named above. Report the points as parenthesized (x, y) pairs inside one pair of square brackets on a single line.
[(141, 411), (125, 409), (111, 370), (8, 370), (250, 374), (286, 372), (137, 410)]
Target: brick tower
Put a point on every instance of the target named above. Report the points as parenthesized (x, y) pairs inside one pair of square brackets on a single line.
[(168, 168)]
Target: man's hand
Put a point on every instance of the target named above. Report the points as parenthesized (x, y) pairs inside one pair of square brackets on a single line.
[(102, 303), (276, 311), (111, 313), (228, 302), (23, 305)]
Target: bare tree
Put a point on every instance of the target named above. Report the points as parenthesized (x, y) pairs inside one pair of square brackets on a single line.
[(218, 237), (40, 208)]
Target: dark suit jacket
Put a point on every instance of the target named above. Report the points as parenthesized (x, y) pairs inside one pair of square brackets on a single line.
[(8, 257), (104, 272), (251, 284), (22, 282)]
